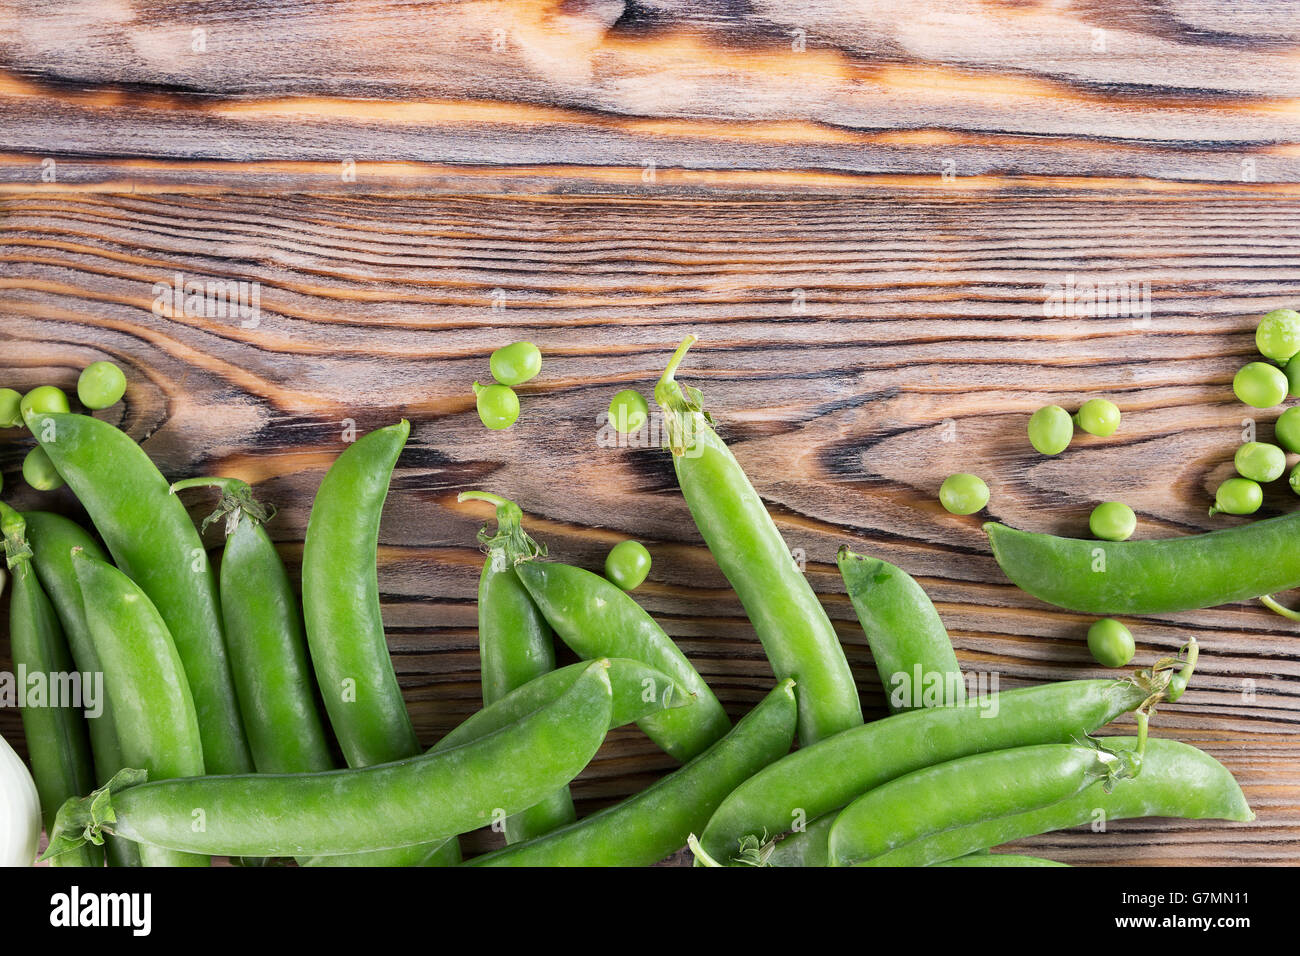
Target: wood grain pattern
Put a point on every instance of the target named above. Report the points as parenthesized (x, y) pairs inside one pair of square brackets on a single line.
[(917, 346), (1179, 90)]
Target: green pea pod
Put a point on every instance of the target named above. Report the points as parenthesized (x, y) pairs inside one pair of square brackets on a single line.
[(52, 538), (789, 619), (909, 643), (515, 646), (58, 744), (151, 538), (813, 781), (657, 821), (881, 827), (341, 611), (406, 803), (1133, 577), (157, 725), (1177, 780), (999, 859), (637, 692), (597, 619), (264, 634)]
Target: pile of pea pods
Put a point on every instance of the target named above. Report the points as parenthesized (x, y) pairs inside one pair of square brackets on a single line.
[(229, 695)]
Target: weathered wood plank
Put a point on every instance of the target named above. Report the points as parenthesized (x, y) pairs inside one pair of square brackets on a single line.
[(919, 320)]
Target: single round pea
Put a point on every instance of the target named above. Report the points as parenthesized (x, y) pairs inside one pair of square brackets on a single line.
[(1278, 335), (1294, 480), (1050, 429), (1260, 385), (1238, 496), (627, 564), (498, 405), (11, 412), (516, 363), (628, 411), (42, 399), (1260, 461), (1098, 417), (101, 384), (963, 493), (1287, 428), (1112, 521), (1111, 643), (39, 471)]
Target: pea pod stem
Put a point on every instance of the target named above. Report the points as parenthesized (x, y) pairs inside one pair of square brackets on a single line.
[(237, 502), (1277, 607)]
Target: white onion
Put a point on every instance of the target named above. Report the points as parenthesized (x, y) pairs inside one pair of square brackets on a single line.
[(20, 811)]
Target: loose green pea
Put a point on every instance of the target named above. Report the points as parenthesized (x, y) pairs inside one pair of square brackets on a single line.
[(11, 412), (1287, 428), (1294, 480), (1278, 335), (101, 384), (42, 399), (627, 564), (515, 364), (1050, 430), (963, 493), (1112, 521), (1238, 496), (1260, 385), (1260, 461), (1098, 417), (498, 405), (628, 411), (1111, 643), (39, 471)]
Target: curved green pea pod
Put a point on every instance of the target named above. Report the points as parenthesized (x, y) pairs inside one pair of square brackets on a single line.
[(649, 826), (1177, 780), (814, 781), (58, 744), (150, 535), (405, 803), (791, 623), (52, 538), (909, 643), (157, 725), (999, 859), (883, 826), (1133, 577), (598, 619)]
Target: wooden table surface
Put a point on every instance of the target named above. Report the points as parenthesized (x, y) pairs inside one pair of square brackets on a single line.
[(860, 208)]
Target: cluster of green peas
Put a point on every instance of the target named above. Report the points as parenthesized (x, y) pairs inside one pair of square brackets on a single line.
[(1265, 385), (101, 385)]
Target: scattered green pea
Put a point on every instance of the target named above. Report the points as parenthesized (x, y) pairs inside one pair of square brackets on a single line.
[(628, 411), (498, 405), (1292, 373), (42, 399), (1294, 480), (627, 564), (39, 471), (1260, 385), (1098, 417), (1111, 643), (101, 384), (1050, 429), (1260, 461), (1278, 335), (516, 363), (1112, 521), (1238, 496), (1287, 428), (963, 493), (11, 412)]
